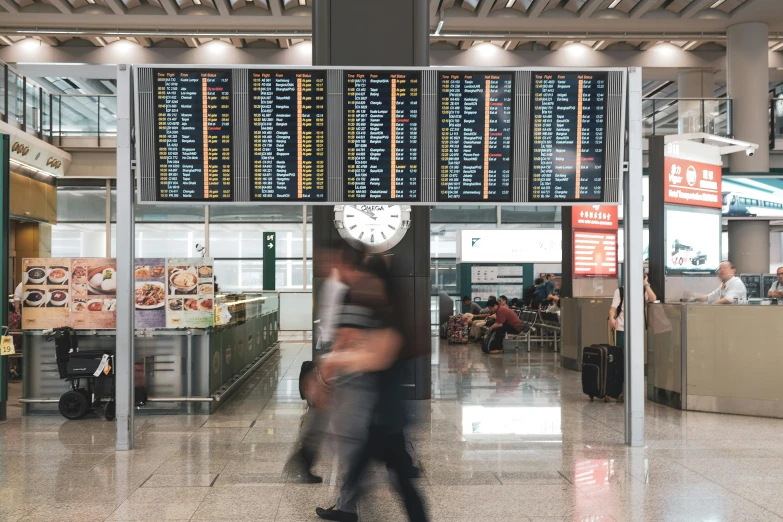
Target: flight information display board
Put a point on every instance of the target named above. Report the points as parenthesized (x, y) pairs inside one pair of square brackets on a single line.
[(568, 136), (288, 135), (382, 135), (476, 110), (193, 134)]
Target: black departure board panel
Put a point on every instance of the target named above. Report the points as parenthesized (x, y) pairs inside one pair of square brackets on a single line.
[(382, 135), (193, 134), (476, 110), (288, 135), (568, 136)]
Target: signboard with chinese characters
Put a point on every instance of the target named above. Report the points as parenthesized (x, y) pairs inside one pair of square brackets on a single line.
[(692, 183), (190, 298), (595, 253), (594, 217), (94, 293)]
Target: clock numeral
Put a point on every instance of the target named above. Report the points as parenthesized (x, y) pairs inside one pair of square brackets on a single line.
[(372, 238), (395, 215), (384, 235), (391, 227), (353, 226), (349, 215), (361, 235)]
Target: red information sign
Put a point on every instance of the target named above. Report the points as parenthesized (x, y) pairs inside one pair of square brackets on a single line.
[(692, 183), (594, 217), (595, 253)]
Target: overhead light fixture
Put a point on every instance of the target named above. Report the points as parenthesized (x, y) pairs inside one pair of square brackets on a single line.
[(302, 2), (510, 4), (197, 2), (440, 23), (30, 167), (91, 2), (716, 4), (614, 4)]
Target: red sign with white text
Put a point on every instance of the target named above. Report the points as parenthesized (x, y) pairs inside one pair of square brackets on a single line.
[(595, 253), (594, 217), (692, 183)]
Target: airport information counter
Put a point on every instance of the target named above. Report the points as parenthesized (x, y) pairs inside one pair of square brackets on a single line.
[(184, 370), (719, 359)]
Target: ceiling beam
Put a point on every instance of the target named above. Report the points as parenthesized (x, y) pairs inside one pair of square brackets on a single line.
[(115, 6), (62, 5), (222, 7), (645, 6), (10, 6), (5, 40), (49, 40), (558, 44), (589, 7), (434, 5), (536, 8), (274, 7), (464, 45), (191, 42), (511, 45), (695, 7), (238, 42), (97, 41), (484, 7), (169, 7), (143, 41), (284, 43), (646, 46), (602, 44)]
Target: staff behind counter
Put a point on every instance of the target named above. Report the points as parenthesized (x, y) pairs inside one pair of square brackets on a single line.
[(731, 291), (776, 290)]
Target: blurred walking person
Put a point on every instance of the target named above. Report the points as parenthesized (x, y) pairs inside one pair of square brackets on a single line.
[(368, 415)]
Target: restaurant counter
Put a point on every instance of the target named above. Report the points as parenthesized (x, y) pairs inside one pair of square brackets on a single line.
[(714, 358), (183, 370)]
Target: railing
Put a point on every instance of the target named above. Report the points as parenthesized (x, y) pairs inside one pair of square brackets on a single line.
[(54, 117), (664, 116)]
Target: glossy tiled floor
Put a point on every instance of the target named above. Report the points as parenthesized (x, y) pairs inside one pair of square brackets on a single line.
[(506, 438)]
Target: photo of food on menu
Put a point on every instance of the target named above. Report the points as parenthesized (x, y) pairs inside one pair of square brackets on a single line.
[(46, 296), (190, 298), (94, 287), (150, 292)]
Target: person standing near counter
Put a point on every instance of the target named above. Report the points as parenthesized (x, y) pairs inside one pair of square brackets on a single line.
[(776, 290), (731, 291), (617, 311)]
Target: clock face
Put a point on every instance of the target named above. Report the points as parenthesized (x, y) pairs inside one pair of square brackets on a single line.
[(376, 228)]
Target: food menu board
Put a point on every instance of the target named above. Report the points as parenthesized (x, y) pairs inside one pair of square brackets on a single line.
[(150, 292), (46, 293), (288, 135), (94, 293), (568, 136), (753, 285), (193, 134), (382, 135), (190, 297), (595, 253), (474, 162)]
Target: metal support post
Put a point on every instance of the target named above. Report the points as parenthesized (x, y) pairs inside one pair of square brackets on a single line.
[(108, 218), (304, 247), (125, 261), (633, 267)]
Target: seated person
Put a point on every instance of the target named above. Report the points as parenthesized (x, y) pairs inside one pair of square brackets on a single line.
[(731, 291), (515, 303), (506, 322), (470, 307), (478, 322), (776, 290)]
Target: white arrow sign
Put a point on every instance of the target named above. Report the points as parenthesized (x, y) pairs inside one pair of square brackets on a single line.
[(270, 245)]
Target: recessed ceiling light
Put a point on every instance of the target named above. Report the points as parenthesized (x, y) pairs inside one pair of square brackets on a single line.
[(614, 4), (716, 4)]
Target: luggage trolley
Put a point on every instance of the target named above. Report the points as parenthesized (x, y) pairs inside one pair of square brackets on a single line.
[(90, 375)]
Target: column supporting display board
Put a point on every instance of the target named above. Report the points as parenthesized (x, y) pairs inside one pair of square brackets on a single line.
[(4, 252), (270, 247), (381, 33)]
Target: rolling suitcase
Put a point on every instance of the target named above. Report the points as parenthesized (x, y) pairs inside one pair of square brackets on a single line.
[(459, 330), (603, 371)]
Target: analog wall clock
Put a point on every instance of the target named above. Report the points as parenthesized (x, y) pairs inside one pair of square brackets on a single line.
[(376, 228)]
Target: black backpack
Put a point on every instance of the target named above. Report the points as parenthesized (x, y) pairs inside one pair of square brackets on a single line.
[(530, 295)]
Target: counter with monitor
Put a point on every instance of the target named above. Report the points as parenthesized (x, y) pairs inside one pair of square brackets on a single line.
[(716, 358)]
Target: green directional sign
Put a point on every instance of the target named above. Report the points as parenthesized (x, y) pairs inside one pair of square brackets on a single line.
[(270, 244), (5, 176)]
